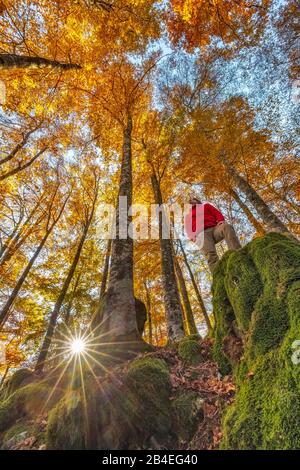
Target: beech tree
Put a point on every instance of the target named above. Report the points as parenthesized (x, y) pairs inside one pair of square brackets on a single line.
[(88, 88)]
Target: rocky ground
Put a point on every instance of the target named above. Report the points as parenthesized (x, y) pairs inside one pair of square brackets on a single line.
[(171, 398)]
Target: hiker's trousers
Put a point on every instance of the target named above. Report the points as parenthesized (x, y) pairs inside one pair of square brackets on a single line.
[(208, 239)]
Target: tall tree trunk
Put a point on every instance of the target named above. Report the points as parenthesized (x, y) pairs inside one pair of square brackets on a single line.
[(10, 238), (105, 270), (272, 222), (19, 238), (5, 310), (191, 328), (118, 316), (149, 313), (70, 303), (196, 288), (10, 61), (4, 376), (54, 315), (14, 246), (173, 309), (253, 221)]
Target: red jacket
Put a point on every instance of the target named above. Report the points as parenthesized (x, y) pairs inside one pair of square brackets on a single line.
[(201, 217)]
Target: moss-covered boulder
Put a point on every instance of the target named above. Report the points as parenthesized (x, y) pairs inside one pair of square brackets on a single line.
[(256, 298), (188, 410), (66, 423), (189, 349), (20, 378), (149, 385), (28, 401), (156, 401), (117, 415)]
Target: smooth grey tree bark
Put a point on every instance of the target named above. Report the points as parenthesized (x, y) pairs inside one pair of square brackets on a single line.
[(252, 219), (105, 269), (174, 314), (271, 221), (118, 314)]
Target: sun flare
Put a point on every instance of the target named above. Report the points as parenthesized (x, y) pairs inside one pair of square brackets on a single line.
[(77, 346)]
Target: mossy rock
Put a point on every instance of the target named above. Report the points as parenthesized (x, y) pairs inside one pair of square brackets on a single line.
[(188, 412), (257, 292), (116, 415), (149, 388), (189, 350), (20, 378), (66, 423), (28, 401)]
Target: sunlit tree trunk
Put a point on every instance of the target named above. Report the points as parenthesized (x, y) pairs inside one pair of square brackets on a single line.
[(271, 221), (67, 315), (253, 221), (173, 309), (196, 288), (105, 270), (19, 237), (10, 61), (55, 313), (6, 309), (191, 328), (118, 316), (4, 376), (11, 237), (149, 313)]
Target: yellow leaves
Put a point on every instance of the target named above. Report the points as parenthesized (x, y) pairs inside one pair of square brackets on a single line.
[(23, 108), (196, 21), (71, 28), (29, 81), (89, 66), (39, 109)]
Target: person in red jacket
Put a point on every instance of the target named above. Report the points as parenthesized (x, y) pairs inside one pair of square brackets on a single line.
[(206, 226)]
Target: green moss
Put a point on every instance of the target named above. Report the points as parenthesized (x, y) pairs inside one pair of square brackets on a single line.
[(263, 290), (148, 397), (223, 313), (243, 286), (195, 337), (269, 324), (15, 381), (66, 423), (115, 416), (188, 413), (30, 400), (189, 350)]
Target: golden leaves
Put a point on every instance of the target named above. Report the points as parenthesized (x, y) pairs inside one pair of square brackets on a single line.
[(196, 21)]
